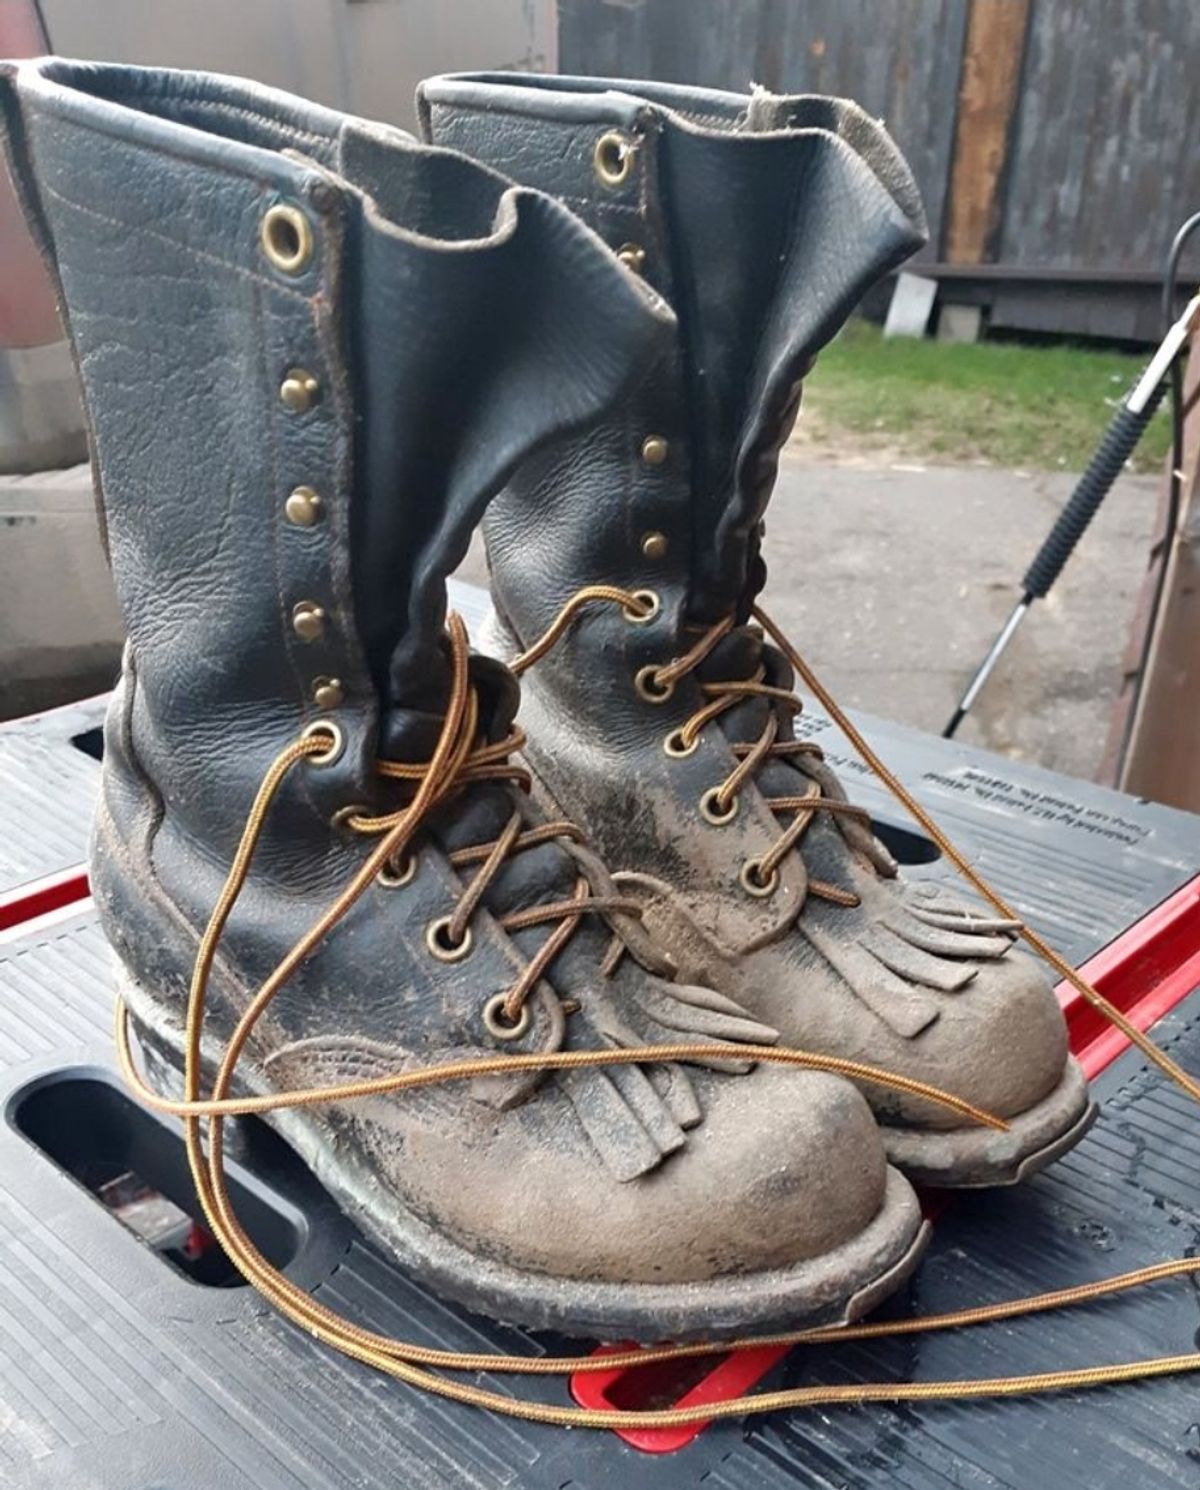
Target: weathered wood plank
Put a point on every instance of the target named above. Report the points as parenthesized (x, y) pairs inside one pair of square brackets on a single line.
[(900, 59), (1105, 160), (987, 101)]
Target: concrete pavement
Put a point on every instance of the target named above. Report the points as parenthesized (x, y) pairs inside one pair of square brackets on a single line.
[(893, 581)]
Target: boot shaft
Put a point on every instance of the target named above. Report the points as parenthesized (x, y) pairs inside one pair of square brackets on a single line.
[(762, 220), (310, 349)]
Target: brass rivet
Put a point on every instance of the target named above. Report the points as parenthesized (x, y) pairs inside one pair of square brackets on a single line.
[(303, 507), (299, 390), (497, 1023), (633, 256), (308, 620), (654, 545), (286, 237), (327, 693), (612, 159), (654, 450)]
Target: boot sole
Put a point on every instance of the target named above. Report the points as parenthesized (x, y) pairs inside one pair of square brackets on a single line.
[(836, 1288), (979, 1158)]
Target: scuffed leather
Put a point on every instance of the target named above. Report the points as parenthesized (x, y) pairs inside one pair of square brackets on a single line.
[(763, 220), (454, 323)]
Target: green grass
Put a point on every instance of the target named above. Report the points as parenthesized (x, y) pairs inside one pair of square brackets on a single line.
[(1032, 407)]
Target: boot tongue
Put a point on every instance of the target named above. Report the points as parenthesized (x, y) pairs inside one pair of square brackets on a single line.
[(467, 301), (479, 814), (737, 658), (409, 730), (777, 229)]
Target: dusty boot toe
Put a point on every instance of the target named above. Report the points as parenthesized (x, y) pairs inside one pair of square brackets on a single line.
[(778, 1208)]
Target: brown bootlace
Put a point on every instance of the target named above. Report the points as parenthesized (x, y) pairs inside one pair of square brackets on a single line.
[(456, 761), (404, 1361), (723, 696)]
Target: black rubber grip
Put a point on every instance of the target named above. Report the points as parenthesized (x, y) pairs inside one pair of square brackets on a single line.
[(1118, 444)]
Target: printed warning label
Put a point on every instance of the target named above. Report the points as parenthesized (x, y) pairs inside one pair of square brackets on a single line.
[(1047, 806)]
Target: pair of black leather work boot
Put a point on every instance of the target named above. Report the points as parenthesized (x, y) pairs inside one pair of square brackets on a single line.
[(313, 352)]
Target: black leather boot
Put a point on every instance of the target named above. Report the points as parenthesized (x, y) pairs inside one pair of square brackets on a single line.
[(311, 349), (662, 719)]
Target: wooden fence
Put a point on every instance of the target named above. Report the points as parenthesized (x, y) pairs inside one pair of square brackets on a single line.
[(1056, 142)]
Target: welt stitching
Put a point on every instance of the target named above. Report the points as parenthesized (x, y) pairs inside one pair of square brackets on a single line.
[(593, 202), (277, 127)]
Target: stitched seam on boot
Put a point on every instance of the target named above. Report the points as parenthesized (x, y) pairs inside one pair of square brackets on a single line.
[(201, 255)]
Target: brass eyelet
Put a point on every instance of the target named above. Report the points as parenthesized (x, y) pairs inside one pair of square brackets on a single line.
[(496, 1022), (651, 604), (677, 748), (435, 940), (333, 732), (612, 159), (340, 821), (394, 879), (753, 884), (644, 680), (286, 237), (712, 811)]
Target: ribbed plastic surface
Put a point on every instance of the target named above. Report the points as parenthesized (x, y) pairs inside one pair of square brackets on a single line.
[(48, 774)]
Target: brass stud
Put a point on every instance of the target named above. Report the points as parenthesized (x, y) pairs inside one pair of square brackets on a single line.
[(286, 237), (328, 693), (633, 256), (613, 157), (753, 882), (712, 811), (303, 507), (324, 729), (299, 390), (646, 606), (439, 947), (655, 450), (308, 620), (654, 545), (648, 685), (497, 1022)]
